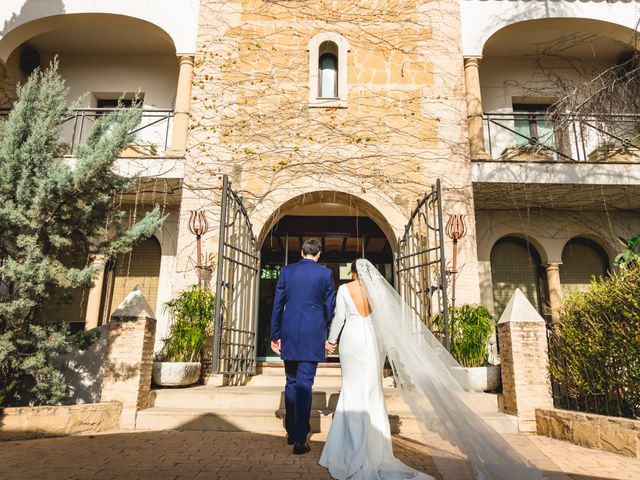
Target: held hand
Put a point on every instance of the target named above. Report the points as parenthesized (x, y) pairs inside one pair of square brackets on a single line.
[(275, 346), (330, 347)]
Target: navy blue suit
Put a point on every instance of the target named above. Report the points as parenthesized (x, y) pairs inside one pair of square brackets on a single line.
[(302, 312)]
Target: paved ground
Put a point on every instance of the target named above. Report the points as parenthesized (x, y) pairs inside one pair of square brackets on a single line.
[(183, 455)]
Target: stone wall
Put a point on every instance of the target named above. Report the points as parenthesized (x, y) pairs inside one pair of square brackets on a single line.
[(34, 422), (611, 434)]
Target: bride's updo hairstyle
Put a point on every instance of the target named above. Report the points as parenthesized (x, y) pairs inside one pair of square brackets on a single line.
[(354, 269)]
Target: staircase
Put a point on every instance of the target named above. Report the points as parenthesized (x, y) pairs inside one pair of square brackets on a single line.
[(259, 406)]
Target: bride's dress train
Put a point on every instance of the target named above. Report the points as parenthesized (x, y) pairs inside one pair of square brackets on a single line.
[(358, 445)]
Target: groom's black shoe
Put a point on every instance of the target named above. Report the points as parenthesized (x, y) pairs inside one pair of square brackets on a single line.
[(289, 440), (301, 448)]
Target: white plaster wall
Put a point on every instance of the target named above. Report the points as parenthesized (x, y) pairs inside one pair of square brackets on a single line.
[(482, 18), (574, 173), (508, 80), (154, 75), (101, 76), (168, 237), (178, 18)]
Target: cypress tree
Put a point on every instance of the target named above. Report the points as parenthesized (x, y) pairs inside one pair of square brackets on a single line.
[(52, 209)]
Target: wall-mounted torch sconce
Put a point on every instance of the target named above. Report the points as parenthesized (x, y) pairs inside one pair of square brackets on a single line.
[(198, 226), (455, 230)]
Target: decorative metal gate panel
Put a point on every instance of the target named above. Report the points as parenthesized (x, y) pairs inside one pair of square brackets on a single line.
[(421, 275), (238, 280)]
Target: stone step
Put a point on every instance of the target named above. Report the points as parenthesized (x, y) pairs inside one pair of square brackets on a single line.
[(278, 380), (329, 375), (265, 420), (233, 408), (277, 368), (252, 397)]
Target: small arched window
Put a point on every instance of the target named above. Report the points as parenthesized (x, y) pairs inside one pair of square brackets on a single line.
[(328, 70), (328, 53)]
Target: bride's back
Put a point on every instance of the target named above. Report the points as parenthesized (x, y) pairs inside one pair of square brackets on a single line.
[(359, 297)]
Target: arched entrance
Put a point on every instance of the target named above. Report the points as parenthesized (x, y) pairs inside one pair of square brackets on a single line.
[(347, 228)]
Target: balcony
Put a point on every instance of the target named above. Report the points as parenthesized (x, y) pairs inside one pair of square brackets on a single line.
[(540, 137), (152, 135), (559, 160), (148, 156)]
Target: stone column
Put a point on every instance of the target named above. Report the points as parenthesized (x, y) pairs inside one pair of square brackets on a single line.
[(128, 362), (524, 360), (183, 107), (95, 296), (555, 290), (474, 108)]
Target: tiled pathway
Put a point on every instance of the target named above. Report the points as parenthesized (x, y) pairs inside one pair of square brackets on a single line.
[(238, 455)]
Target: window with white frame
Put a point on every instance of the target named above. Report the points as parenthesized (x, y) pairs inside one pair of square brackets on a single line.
[(328, 70)]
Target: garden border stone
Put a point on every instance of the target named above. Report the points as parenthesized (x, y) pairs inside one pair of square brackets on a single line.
[(21, 423), (611, 434)]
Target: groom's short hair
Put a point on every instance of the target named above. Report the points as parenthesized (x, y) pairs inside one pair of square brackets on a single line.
[(311, 247)]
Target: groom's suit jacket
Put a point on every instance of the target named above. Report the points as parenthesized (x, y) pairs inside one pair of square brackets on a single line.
[(302, 310)]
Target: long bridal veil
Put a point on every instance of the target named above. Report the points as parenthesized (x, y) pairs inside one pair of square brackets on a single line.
[(436, 388)]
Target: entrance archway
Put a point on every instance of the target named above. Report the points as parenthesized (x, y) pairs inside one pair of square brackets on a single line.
[(347, 229)]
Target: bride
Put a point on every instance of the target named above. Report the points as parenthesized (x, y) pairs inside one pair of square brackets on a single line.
[(372, 321), (359, 442)]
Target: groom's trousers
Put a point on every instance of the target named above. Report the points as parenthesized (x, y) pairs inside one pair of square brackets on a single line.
[(298, 397)]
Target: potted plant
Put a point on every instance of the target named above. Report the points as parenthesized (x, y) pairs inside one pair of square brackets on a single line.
[(528, 153), (191, 312), (609, 151), (471, 327)]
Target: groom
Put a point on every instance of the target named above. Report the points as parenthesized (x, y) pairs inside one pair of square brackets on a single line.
[(302, 312)]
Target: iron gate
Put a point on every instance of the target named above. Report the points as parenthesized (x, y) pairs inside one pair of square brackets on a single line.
[(421, 275), (238, 280)]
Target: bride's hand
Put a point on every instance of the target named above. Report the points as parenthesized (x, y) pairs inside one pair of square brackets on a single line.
[(330, 347)]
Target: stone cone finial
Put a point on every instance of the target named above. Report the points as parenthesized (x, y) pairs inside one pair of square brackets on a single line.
[(134, 305), (519, 309)]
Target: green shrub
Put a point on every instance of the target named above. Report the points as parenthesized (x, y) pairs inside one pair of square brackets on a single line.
[(631, 254), (470, 327), (192, 315), (597, 345)]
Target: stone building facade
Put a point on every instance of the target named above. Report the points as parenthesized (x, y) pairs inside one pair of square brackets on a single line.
[(341, 115)]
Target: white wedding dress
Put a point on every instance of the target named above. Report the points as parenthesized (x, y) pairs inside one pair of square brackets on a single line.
[(358, 445), (434, 386)]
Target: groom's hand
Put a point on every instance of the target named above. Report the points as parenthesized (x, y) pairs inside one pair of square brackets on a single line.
[(330, 347), (275, 346)]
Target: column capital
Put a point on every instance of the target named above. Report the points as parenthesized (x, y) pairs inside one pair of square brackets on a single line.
[(186, 58), (472, 61), (552, 265)]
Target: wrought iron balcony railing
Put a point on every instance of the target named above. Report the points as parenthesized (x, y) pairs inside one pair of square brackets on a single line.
[(537, 136), (152, 136)]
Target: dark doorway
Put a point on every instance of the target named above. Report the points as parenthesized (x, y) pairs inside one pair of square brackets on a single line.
[(343, 240)]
